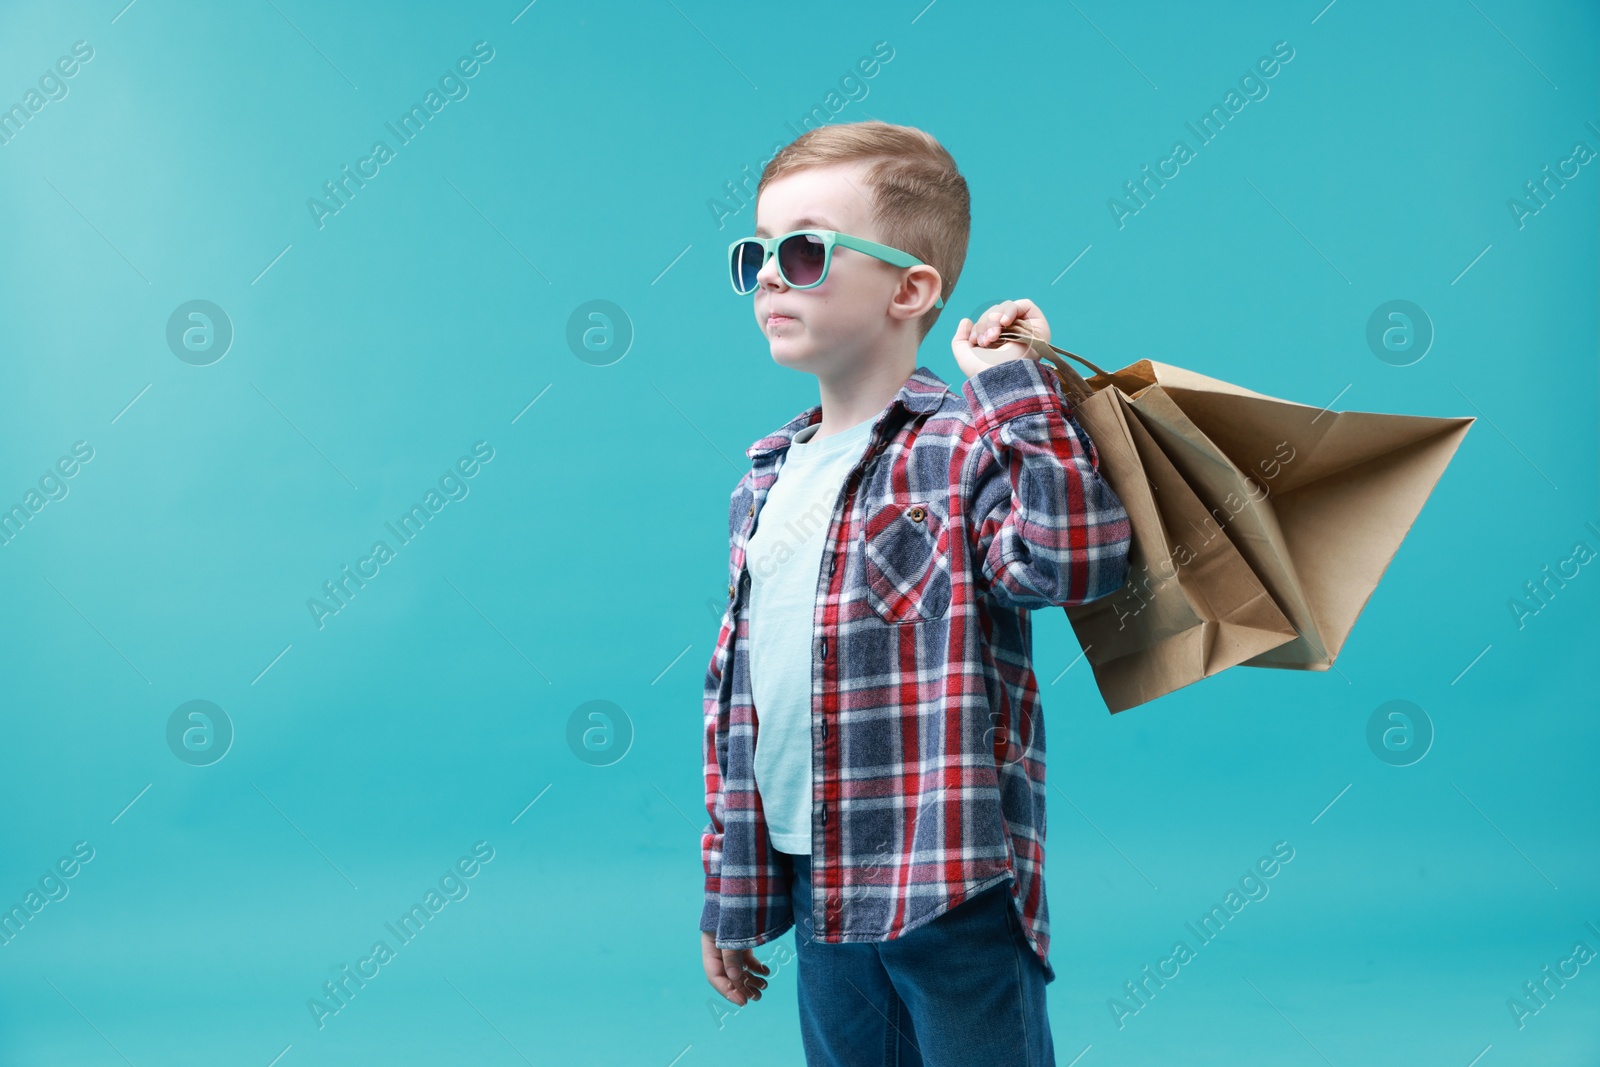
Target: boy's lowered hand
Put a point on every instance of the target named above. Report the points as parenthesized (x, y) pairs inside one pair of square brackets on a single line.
[(735, 973), (970, 336)]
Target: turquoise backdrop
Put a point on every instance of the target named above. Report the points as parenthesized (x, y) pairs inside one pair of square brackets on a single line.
[(239, 343)]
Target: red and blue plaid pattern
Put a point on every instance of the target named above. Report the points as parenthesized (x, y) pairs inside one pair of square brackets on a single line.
[(964, 514)]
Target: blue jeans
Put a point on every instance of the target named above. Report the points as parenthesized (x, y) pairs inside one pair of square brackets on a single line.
[(965, 989)]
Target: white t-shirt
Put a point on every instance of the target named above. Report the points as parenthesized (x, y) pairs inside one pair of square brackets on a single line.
[(784, 556)]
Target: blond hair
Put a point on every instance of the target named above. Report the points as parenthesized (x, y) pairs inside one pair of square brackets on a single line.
[(920, 201)]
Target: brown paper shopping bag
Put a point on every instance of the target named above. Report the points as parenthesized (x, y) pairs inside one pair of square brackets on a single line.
[(1192, 606), (1260, 526)]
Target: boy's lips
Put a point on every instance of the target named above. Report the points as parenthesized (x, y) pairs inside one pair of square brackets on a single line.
[(776, 319)]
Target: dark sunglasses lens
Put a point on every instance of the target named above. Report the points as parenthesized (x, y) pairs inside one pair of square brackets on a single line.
[(746, 264), (801, 258)]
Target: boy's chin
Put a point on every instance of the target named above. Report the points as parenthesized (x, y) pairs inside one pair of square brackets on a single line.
[(787, 352)]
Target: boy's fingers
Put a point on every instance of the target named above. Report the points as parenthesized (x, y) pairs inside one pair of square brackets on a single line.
[(997, 318), (961, 343), (716, 972), (745, 971), (1033, 319), (726, 971), (730, 990)]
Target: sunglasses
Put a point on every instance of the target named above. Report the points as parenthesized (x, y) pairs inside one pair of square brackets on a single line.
[(804, 257)]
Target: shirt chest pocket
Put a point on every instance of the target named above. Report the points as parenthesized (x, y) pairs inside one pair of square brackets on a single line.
[(907, 562)]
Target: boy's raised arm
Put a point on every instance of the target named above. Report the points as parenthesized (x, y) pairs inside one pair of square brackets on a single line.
[(1049, 530)]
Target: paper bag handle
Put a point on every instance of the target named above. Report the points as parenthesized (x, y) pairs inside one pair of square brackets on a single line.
[(1029, 338), (1072, 382)]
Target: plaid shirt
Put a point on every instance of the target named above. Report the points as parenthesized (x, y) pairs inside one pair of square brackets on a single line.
[(963, 514)]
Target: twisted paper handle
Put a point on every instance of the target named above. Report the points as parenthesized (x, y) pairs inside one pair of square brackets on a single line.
[(1072, 383)]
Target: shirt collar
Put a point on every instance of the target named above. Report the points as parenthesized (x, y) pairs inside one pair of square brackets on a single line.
[(923, 391)]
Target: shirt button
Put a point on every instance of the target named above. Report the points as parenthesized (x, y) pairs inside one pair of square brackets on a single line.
[(824, 813), (824, 648), (915, 514), (730, 592), (824, 729), (752, 510)]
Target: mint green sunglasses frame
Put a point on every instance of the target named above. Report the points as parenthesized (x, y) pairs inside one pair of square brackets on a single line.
[(830, 238)]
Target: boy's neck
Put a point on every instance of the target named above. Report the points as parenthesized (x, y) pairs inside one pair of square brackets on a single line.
[(860, 392)]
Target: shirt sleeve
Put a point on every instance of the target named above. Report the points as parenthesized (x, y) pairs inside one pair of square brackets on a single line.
[(711, 837), (715, 751), (1049, 529), (714, 747)]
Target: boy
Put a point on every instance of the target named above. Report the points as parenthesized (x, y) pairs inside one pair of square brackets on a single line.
[(874, 748)]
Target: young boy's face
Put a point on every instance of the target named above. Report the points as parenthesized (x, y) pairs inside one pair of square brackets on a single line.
[(836, 325)]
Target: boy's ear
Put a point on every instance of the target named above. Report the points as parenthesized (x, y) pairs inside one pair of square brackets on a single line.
[(918, 290)]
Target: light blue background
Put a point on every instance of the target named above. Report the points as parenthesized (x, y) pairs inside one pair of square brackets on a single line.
[(587, 562)]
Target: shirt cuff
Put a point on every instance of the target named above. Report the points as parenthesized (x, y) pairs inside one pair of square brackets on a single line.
[(1010, 389)]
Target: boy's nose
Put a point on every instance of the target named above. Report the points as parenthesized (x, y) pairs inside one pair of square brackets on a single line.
[(768, 275)]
